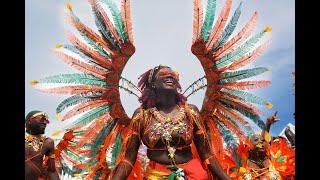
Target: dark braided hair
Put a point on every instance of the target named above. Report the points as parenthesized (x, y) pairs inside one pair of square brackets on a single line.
[(148, 95)]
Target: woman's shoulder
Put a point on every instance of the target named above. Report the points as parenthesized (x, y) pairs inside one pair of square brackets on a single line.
[(193, 107)]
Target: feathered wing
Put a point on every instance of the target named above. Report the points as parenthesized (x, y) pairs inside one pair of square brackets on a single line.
[(221, 52), (96, 120)]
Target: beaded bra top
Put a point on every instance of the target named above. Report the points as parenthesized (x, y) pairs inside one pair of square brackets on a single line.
[(157, 131)]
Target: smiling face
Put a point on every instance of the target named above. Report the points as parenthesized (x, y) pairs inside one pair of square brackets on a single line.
[(166, 80), (38, 124), (259, 150)]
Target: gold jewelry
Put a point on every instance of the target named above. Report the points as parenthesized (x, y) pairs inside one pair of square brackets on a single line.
[(35, 142)]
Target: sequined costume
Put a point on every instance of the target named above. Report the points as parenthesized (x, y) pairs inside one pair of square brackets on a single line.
[(100, 127)]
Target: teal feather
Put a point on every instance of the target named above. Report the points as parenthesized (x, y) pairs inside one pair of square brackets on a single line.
[(74, 156), (91, 42), (116, 150), (246, 129), (228, 137), (91, 115), (239, 75), (255, 118), (78, 133), (229, 28), (243, 127), (105, 131), (76, 99), (236, 158), (241, 51), (67, 170), (246, 96), (116, 14), (103, 30), (76, 78), (84, 57), (96, 47), (209, 18), (86, 146)]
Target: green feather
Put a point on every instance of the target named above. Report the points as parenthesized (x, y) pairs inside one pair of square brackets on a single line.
[(105, 131), (74, 156), (239, 75), (78, 133), (103, 30), (67, 170), (91, 42), (116, 149), (247, 129), (76, 78), (228, 137), (84, 57), (229, 28), (91, 115), (96, 46), (236, 158), (241, 51), (246, 96), (255, 118), (209, 18), (76, 99), (116, 14)]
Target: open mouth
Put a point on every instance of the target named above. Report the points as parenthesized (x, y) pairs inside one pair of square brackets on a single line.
[(169, 81)]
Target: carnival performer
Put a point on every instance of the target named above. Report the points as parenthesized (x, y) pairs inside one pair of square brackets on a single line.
[(39, 149), (167, 125), (101, 141), (266, 158)]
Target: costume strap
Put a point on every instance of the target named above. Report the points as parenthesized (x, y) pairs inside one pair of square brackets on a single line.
[(30, 158)]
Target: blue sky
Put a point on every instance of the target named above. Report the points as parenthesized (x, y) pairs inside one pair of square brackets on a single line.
[(162, 33)]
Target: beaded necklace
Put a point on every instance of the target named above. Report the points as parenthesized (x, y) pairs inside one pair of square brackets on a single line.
[(35, 142), (166, 126)]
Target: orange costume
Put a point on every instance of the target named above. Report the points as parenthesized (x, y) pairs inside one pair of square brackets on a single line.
[(94, 141)]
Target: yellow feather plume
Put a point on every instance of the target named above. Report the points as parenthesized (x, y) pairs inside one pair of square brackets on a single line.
[(69, 6), (268, 29), (33, 82), (58, 116), (269, 105), (58, 46), (56, 133)]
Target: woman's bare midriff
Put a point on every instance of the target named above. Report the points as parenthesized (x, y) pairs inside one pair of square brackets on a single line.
[(161, 156)]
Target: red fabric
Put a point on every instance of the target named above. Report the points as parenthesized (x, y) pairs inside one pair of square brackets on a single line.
[(193, 169)]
